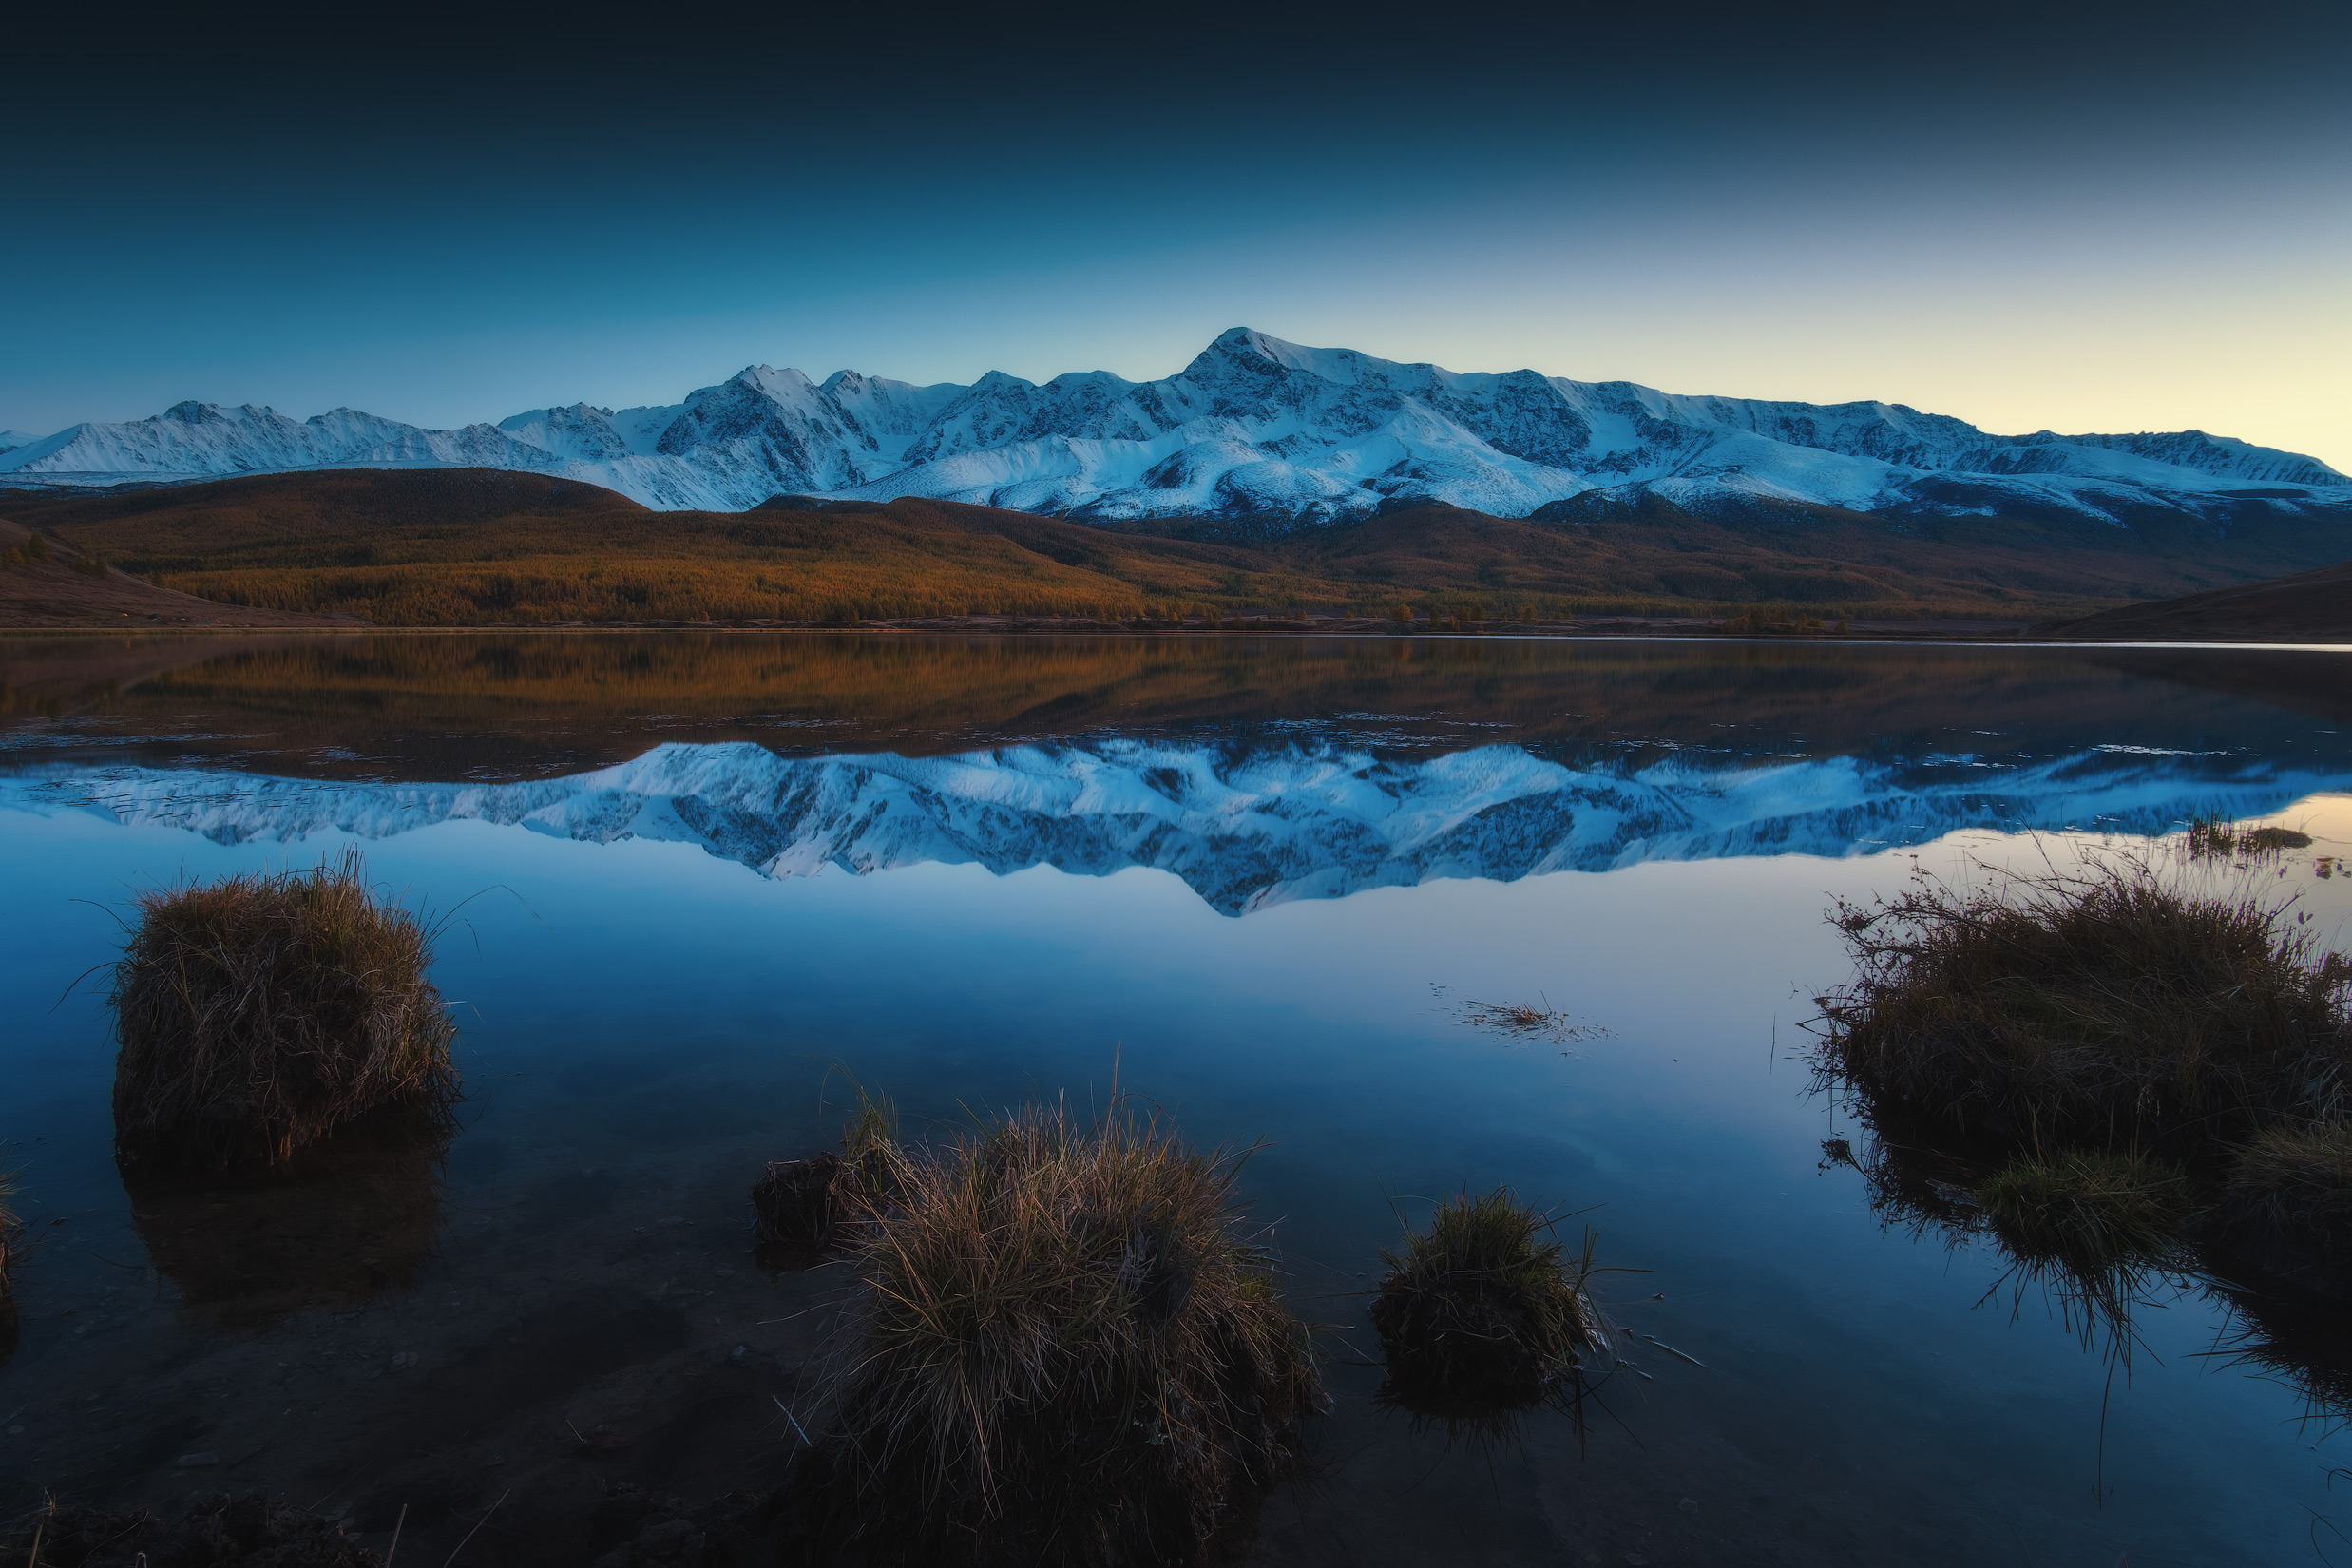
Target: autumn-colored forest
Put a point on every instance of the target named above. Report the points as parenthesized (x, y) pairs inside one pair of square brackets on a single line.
[(472, 547)]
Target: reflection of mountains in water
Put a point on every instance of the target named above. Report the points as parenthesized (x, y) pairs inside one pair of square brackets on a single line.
[(1243, 827)]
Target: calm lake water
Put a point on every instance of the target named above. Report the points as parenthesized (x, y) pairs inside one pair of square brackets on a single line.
[(700, 883)]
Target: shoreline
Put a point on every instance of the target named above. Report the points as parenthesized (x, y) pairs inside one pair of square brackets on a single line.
[(1676, 628)]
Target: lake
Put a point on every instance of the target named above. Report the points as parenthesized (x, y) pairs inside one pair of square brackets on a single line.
[(698, 886)]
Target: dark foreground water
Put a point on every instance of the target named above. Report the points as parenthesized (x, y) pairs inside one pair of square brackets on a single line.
[(699, 882)]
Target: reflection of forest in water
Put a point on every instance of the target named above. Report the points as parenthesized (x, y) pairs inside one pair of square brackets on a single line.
[(515, 705)]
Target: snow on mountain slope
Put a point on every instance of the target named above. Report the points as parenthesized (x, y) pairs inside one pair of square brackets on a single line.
[(1244, 831), (194, 440), (1252, 427), (589, 434), (10, 440)]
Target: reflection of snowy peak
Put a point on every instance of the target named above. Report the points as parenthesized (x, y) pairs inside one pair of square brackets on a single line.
[(1252, 427), (1243, 831)]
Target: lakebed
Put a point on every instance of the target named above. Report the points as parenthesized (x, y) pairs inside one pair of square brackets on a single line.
[(699, 884)]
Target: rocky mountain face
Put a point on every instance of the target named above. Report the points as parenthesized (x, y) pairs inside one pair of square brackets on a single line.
[(1253, 427), (1243, 829)]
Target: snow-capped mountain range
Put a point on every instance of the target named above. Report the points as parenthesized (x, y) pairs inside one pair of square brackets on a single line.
[(1244, 831), (1254, 427)]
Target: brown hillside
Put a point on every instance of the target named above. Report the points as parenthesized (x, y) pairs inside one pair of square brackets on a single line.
[(49, 583), (2307, 607), (334, 499), (483, 548), (1840, 561)]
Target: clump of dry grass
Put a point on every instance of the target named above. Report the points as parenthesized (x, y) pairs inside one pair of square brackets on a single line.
[(2105, 1008), (2088, 1208), (261, 1014), (1485, 1309), (1065, 1351), (1522, 1019), (2289, 1195), (2210, 838)]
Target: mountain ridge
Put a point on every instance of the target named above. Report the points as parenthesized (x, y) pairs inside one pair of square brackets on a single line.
[(1254, 427)]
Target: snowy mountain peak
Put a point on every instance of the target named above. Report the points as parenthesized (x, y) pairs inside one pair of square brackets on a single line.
[(1254, 425), (784, 383), (1241, 346)]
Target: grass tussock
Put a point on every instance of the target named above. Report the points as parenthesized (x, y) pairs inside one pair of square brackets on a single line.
[(2290, 1193), (2087, 1209), (261, 1014), (2105, 1008), (1485, 1309), (2123, 1083), (2211, 838), (1066, 1350)]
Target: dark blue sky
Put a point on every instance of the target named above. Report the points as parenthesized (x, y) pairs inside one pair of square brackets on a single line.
[(2079, 217)]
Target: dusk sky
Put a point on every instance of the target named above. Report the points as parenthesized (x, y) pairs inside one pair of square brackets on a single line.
[(2111, 218)]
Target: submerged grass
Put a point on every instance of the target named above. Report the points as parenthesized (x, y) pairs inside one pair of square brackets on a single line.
[(803, 1203), (261, 1014), (800, 1202), (1065, 1351), (10, 1229), (1485, 1309), (2105, 1008), (1522, 1019)]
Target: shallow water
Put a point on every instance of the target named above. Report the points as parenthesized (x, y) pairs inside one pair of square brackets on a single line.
[(1262, 880)]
